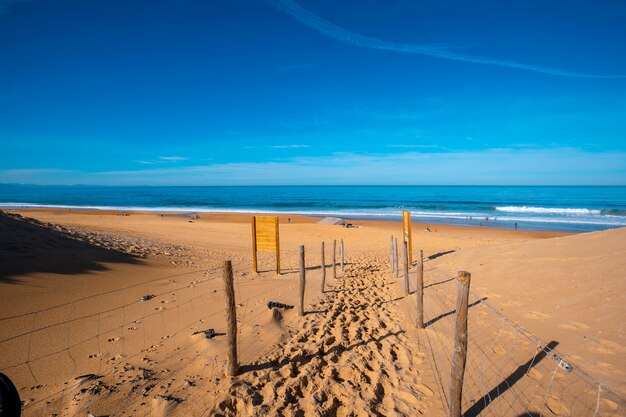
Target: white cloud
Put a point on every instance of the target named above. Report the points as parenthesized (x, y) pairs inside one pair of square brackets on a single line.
[(289, 146), (330, 30), (173, 158), (556, 166)]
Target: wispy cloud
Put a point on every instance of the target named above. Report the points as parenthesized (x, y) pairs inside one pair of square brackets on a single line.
[(161, 160), (333, 31), (415, 146), (493, 166), (289, 146), (173, 158)]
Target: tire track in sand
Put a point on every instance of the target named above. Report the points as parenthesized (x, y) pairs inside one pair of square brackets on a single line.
[(349, 357)]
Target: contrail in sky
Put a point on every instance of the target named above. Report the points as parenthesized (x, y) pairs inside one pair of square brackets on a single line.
[(335, 32)]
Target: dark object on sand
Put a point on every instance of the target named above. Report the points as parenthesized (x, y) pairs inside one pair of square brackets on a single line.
[(169, 398), (208, 333), (277, 316), (88, 377), (147, 297), (10, 405), (274, 304)]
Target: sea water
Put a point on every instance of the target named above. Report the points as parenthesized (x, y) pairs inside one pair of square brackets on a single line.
[(551, 208)]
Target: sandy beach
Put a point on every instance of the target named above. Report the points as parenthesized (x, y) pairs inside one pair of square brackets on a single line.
[(76, 337)]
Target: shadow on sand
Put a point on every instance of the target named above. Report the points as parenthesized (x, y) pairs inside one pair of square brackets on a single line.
[(449, 313), (28, 246), (509, 381)]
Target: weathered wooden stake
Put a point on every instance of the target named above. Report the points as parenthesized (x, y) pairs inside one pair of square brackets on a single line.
[(395, 252), (323, 262), (231, 319), (405, 258), (302, 281), (254, 258), (393, 269), (334, 259), (341, 252), (419, 290), (459, 355)]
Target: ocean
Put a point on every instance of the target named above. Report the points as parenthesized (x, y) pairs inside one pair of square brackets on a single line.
[(536, 208)]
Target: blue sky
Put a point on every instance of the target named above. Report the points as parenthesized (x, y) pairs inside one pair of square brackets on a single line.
[(312, 92)]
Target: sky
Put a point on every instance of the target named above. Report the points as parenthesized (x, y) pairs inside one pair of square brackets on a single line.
[(256, 92)]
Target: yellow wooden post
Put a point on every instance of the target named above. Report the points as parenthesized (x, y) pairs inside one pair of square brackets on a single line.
[(406, 232)]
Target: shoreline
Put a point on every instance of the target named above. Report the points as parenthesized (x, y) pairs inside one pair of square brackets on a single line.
[(311, 218), (244, 217)]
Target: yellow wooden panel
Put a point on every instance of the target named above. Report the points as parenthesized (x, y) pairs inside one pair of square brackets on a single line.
[(266, 233), (266, 248), (265, 219)]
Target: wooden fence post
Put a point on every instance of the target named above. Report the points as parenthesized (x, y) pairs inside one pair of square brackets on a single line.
[(341, 251), (405, 256), (459, 355), (334, 259), (393, 269), (419, 290), (231, 319), (302, 281), (254, 258), (323, 262), (395, 252)]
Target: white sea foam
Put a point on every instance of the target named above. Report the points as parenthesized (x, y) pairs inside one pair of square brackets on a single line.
[(518, 214), (548, 210)]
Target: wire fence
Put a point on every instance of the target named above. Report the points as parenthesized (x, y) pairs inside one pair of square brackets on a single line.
[(147, 340), (509, 371), (132, 342)]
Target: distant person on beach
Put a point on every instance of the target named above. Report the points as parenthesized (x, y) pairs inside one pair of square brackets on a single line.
[(427, 229), (516, 226), (10, 405)]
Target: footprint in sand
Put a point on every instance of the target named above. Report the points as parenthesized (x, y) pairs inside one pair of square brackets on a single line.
[(536, 315), (557, 407), (499, 350), (573, 325), (513, 304), (606, 347)]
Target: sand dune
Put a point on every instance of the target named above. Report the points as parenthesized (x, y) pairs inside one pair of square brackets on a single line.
[(569, 289), (76, 337)]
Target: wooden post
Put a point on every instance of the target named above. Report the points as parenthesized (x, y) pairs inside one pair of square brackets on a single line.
[(302, 281), (277, 247), (395, 252), (323, 262), (231, 320), (254, 260), (405, 256), (334, 259), (419, 290), (459, 355), (393, 269), (341, 251)]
